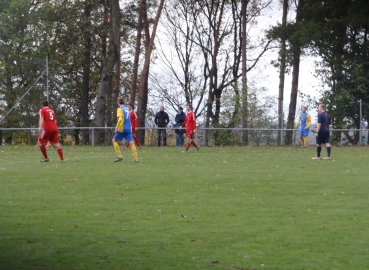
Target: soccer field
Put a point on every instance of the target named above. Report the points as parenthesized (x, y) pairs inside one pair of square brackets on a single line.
[(222, 208)]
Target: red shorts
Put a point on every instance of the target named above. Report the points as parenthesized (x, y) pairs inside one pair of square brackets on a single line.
[(190, 133), (133, 130), (49, 136)]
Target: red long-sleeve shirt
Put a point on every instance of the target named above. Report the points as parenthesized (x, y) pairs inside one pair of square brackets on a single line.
[(134, 119), (190, 121)]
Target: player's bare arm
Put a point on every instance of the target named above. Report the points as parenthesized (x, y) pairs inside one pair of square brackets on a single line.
[(40, 122), (317, 129)]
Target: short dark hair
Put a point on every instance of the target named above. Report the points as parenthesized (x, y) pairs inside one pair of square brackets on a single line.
[(323, 106), (131, 104), (190, 105), (120, 100), (45, 103)]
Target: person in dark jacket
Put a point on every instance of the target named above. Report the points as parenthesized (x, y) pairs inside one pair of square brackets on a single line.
[(180, 118), (162, 120)]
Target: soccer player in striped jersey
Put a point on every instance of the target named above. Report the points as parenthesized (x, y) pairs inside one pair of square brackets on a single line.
[(123, 130), (134, 124), (190, 123), (305, 121), (48, 131), (322, 132)]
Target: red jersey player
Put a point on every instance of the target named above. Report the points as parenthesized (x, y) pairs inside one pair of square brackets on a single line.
[(48, 131), (134, 124), (190, 123)]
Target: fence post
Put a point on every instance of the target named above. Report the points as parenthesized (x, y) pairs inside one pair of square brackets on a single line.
[(361, 117), (93, 136)]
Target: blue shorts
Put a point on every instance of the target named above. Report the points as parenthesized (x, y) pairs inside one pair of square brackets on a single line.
[(323, 137), (127, 136), (304, 132)]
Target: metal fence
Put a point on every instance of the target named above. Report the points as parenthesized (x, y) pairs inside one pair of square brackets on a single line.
[(204, 136)]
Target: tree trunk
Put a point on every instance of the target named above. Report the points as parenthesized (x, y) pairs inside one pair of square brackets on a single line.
[(132, 97), (237, 54), (107, 69), (86, 73), (116, 91), (293, 97), (295, 81), (244, 109), (143, 87), (213, 74), (282, 72)]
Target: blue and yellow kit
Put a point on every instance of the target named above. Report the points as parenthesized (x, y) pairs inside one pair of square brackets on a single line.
[(124, 121)]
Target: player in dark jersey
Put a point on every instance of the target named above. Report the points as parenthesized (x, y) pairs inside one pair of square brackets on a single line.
[(322, 132), (48, 131)]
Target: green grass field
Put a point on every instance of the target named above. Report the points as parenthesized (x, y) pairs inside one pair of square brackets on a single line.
[(221, 208)]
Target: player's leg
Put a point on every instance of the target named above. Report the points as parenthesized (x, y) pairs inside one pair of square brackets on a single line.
[(134, 151), (306, 133), (193, 141), (44, 153), (137, 142), (59, 150), (43, 138), (188, 144), (128, 137), (188, 139), (194, 144), (54, 140), (118, 136), (318, 146), (327, 145), (301, 133), (318, 151)]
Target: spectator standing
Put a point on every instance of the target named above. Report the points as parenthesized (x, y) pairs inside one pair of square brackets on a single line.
[(161, 121), (180, 118)]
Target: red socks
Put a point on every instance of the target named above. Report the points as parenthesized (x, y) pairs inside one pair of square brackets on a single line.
[(58, 149), (60, 152), (43, 150), (188, 145), (137, 141)]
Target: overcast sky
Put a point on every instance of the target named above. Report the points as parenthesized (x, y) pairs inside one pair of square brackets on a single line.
[(268, 76), (265, 74)]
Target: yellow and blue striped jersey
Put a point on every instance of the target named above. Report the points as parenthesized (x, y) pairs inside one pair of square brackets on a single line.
[(124, 121), (305, 120)]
